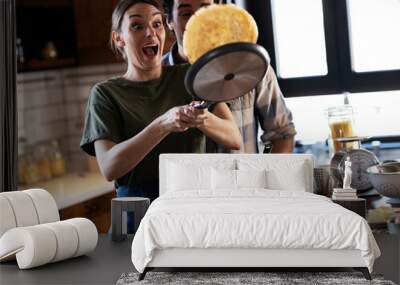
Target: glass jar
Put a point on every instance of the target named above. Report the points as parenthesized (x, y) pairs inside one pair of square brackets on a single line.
[(341, 124), (43, 162), (31, 173), (57, 160)]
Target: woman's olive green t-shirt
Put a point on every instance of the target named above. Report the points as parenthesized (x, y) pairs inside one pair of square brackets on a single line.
[(119, 109)]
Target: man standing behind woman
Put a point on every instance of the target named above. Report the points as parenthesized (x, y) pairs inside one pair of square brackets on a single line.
[(264, 106), (131, 119)]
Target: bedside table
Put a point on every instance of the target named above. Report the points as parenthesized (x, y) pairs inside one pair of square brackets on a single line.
[(137, 205), (358, 205)]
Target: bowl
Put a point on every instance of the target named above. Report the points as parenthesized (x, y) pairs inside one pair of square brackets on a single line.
[(385, 181), (393, 228), (394, 224), (389, 167)]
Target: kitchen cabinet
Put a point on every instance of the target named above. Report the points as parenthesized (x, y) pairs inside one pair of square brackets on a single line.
[(83, 39), (92, 25), (45, 34), (98, 210)]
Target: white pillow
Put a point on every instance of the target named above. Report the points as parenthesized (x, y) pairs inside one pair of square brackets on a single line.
[(251, 178), (188, 177), (279, 180), (223, 179), (282, 173), (226, 179)]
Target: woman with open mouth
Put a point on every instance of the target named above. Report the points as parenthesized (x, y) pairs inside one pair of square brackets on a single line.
[(130, 120)]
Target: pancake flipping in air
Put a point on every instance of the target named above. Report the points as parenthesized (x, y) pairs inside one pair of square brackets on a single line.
[(216, 25)]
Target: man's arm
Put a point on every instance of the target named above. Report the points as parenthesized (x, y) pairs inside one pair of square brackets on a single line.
[(283, 145), (274, 116)]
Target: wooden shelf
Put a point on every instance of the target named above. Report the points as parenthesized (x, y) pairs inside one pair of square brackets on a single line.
[(45, 3), (41, 64)]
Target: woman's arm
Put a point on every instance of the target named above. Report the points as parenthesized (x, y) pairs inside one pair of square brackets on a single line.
[(219, 125), (115, 160)]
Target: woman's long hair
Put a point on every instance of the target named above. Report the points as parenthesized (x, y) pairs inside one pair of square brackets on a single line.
[(118, 15)]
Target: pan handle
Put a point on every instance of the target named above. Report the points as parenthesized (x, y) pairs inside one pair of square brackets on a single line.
[(203, 105)]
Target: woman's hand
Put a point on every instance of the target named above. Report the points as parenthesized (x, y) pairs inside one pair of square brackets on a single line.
[(193, 117), (172, 120), (115, 160), (219, 125)]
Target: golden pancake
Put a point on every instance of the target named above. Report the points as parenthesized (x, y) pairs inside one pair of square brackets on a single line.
[(217, 25)]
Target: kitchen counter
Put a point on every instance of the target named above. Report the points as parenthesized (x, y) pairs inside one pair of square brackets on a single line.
[(72, 189)]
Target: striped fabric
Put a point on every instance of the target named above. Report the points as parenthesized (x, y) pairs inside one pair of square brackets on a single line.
[(264, 106)]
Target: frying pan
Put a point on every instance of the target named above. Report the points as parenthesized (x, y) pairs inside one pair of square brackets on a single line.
[(226, 72)]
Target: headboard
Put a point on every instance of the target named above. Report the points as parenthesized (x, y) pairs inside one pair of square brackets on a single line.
[(297, 168)]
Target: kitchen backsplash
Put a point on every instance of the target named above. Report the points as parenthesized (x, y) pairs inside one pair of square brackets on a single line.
[(51, 106)]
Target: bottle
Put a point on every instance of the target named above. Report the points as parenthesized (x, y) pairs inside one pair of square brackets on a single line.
[(31, 173), (21, 169), (50, 51), (43, 162), (57, 160), (341, 122), (20, 51)]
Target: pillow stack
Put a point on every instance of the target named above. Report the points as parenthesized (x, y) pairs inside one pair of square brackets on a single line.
[(205, 179), (281, 175), (237, 175)]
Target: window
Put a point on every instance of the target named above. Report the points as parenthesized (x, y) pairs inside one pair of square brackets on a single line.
[(377, 117), (240, 3), (306, 34), (357, 47), (374, 28), (331, 46)]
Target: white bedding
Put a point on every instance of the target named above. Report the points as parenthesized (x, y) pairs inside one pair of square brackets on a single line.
[(251, 218)]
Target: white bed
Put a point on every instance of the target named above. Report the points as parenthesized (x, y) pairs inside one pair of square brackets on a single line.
[(241, 210)]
